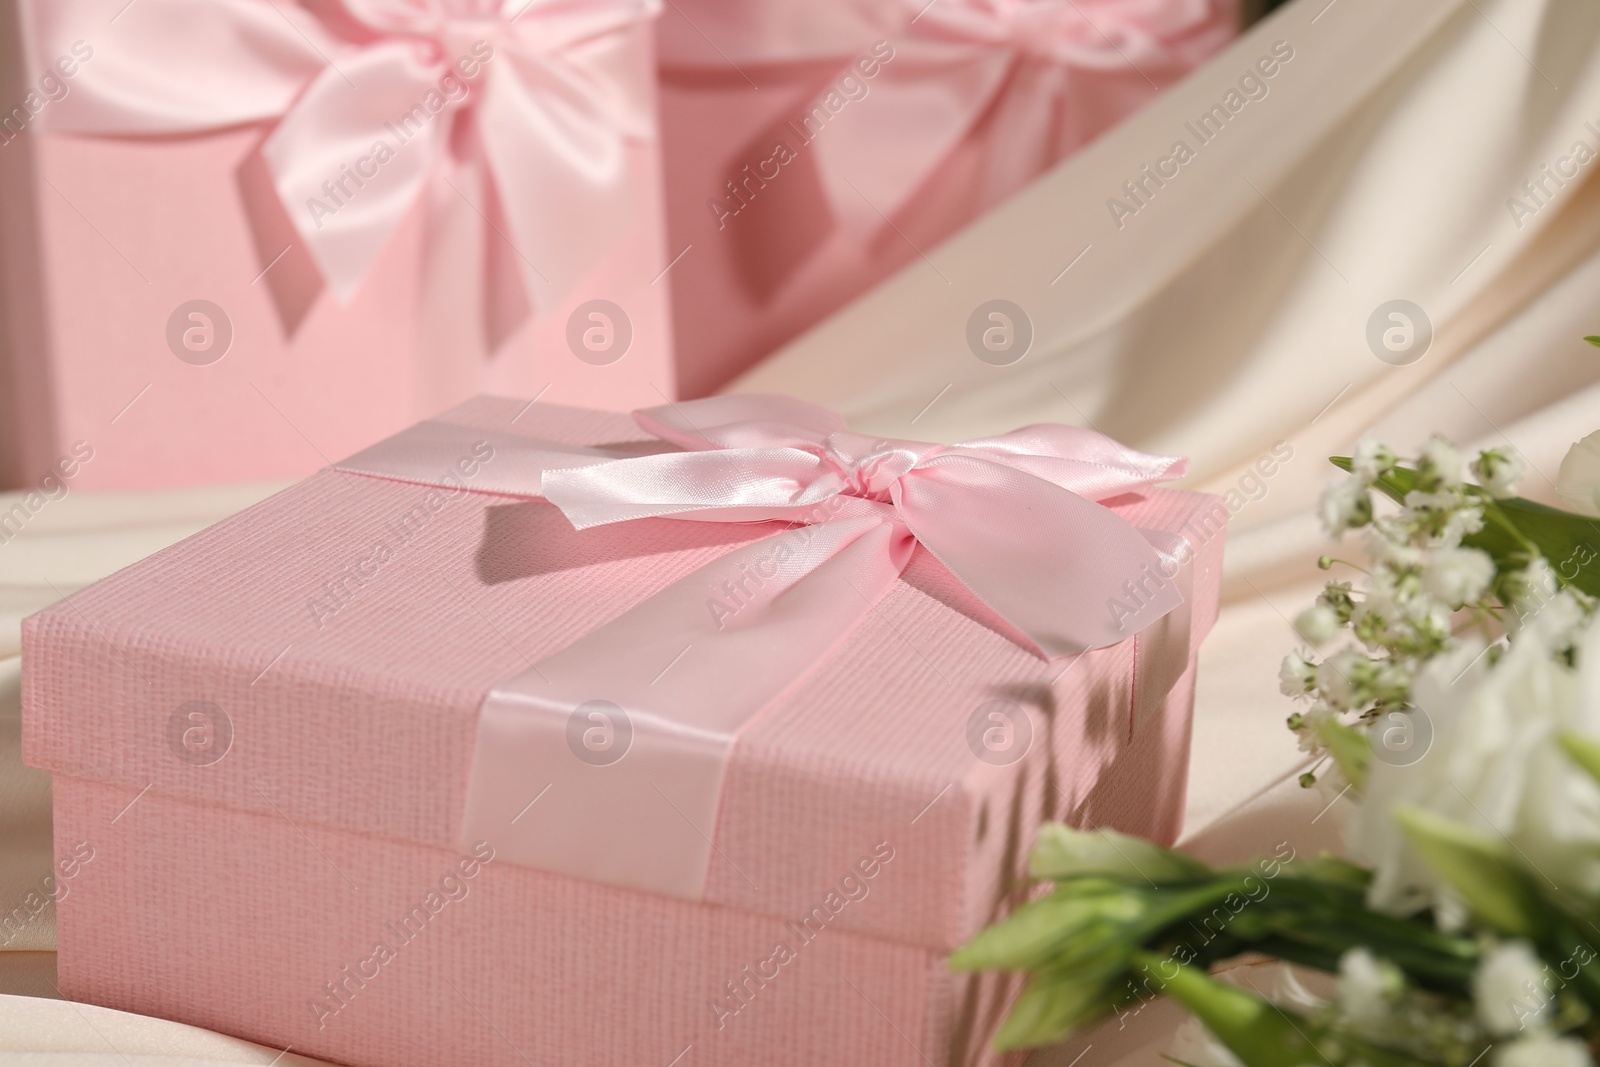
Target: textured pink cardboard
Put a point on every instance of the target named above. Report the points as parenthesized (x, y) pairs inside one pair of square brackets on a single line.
[(337, 687)]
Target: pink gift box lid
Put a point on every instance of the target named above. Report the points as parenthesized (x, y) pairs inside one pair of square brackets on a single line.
[(339, 639)]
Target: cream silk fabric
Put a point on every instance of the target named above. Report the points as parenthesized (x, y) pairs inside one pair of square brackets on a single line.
[(1226, 316)]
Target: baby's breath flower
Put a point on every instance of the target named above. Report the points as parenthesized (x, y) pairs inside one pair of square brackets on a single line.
[(1530, 589), (1403, 614), (1458, 576), (1296, 677), (1385, 601), (1555, 625), (1346, 504), (1499, 470), (1543, 1050), (1461, 523), (1368, 987), (1342, 679), (1310, 727), (1336, 596), (1507, 989), (1439, 465), (1372, 459), (1386, 545), (1439, 519), (1318, 624)]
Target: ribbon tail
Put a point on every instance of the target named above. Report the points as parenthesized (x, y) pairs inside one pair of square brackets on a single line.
[(506, 298), (875, 151), (473, 297), (630, 729), (513, 465), (452, 345), (558, 138)]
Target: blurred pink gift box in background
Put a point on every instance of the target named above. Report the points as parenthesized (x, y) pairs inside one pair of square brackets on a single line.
[(249, 242), (813, 147), (248, 238)]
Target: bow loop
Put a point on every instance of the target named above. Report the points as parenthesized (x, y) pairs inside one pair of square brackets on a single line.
[(1016, 518), (1083, 461)]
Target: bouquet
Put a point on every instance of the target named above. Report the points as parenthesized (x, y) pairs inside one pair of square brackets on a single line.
[(1453, 691)]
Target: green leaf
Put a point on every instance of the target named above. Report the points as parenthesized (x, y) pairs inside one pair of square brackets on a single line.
[(1260, 1034), (1478, 869), (1350, 749), (1567, 540), (1062, 852), (1036, 933), (1051, 1006), (1330, 870), (1584, 751), (1593, 340)]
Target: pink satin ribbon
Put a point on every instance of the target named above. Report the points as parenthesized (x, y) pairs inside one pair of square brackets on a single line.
[(533, 145), (1016, 518), (955, 61)]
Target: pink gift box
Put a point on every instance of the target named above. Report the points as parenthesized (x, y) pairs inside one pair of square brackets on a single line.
[(814, 148), (272, 793), (166, 309)]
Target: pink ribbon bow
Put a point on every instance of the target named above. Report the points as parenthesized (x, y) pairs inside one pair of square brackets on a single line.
[(1016, 518), (510, 114), (1017, 64)]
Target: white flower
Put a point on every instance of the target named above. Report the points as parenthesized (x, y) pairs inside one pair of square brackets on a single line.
[(1439, 519), (1531, 589), (1440, 462), (1492, 762), (1499, 470), (1542, 1050), (1341, 678), (1318, 624), (1311, 734), (1381, 545), (1367, 987), (1555, 626), (1345, 503), (1462, 521), (1372, 459), (1458, 576), (1508, 989), (1578, 481), (1296, 677)]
